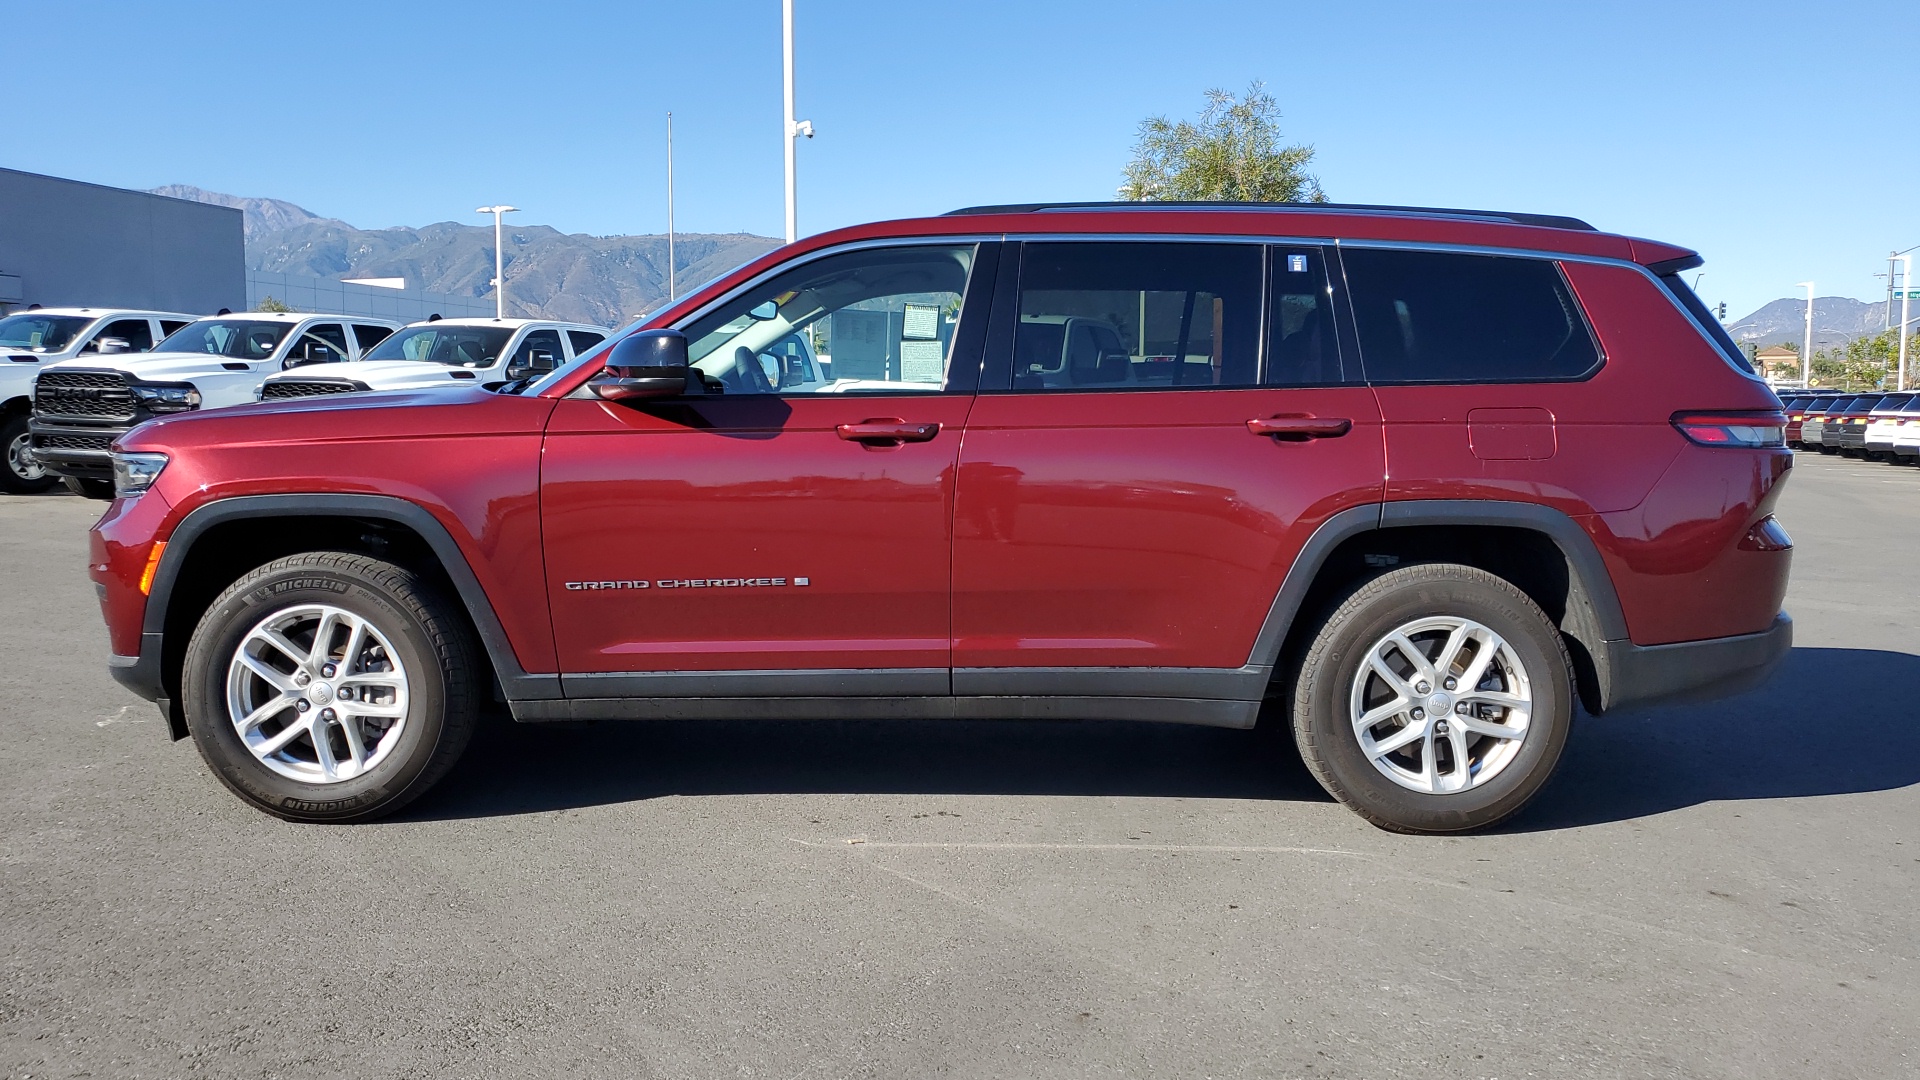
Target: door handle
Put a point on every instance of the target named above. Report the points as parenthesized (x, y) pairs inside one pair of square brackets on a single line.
[(1301, 426), (889, 431)]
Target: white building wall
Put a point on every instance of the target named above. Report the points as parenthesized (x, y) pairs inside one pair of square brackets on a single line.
[(343, 298)]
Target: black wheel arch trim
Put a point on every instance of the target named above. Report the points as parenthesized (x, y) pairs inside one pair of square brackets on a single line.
[(1593, 618), (515, 681)]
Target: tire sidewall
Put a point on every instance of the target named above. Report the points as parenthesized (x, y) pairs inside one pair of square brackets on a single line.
[(14, 426), (204, 686), (1329, 689)]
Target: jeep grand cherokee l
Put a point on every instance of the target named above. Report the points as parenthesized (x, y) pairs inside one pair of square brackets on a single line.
[(1413, 480)]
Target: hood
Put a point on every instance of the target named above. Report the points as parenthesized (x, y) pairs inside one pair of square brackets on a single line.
[(391, 374), (161, 366)]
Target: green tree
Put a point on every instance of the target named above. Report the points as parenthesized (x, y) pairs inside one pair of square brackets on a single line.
[(270, 304), (1233, 153), (1865, 363)]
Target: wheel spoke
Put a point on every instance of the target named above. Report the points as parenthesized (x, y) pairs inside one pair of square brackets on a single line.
[(1461, 776), (356, 640), (278, 741), (1413, 654), (269, 674), (1450, 651), (1495, 697), (356, 751), (1429, 761), (383, 710), (1392, 708), (1379, 665), (323, 749), (278, 704), (1412, 733), (300, 657), (1489, 728)]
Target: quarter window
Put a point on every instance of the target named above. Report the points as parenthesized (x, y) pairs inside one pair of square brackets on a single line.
[(1301, 340), (878, 320), (1123, 315), (1441, 317)]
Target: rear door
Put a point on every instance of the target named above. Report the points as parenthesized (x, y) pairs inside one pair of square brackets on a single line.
[(800, 534), (1162, 427)]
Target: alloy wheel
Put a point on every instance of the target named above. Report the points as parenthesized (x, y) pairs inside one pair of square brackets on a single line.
[(317, 694), (1441, 705)]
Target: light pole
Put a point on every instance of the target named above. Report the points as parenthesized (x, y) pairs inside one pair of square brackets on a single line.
[(1806, 351), (669, 208), (794, 128), (1906, 299), (499, 259)]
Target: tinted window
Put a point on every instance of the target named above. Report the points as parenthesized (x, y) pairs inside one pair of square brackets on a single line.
[(170, 326), (1301, 349), (368, 336), (1438, 317), (876, 320), (240, 339), (582, 340), (454, 344), (1114, 315), (538, 354), (321, 343), (137, 333)]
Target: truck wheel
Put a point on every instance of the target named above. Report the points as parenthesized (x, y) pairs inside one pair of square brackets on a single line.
[(1436, 699), (330, 687), (20, 473), (87, 488)]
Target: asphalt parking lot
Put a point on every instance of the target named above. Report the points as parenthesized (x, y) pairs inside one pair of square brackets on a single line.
[(1725, 890)]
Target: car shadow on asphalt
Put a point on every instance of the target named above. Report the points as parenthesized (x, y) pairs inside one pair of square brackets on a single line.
[(1810, 731), (1829, 722)]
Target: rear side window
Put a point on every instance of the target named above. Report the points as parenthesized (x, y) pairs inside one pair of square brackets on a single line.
[(168, 327), (582, 340), (137, 333), (1440, 317), (1114, 315), (369, 335)]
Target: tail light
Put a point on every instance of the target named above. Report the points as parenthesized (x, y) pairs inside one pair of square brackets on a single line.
[(1737, 429)]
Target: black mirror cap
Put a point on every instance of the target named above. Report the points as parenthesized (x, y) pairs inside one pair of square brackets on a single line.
[(649, 349)]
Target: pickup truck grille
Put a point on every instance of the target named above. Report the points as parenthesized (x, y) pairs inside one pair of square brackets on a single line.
[(299, 388), (86, 395), (95, 443)]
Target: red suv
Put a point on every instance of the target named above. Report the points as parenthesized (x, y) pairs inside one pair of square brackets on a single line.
[(1411, 480)]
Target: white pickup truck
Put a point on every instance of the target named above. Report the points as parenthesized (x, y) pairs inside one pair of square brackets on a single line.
[(446, 353), (31, 340), (81, 405)]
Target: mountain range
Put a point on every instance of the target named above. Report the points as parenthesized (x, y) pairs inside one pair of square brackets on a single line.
[(607, 280), (1836, 320)]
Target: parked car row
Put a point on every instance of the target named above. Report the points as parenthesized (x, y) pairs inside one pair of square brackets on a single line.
[(95, 374), (1880, 425)]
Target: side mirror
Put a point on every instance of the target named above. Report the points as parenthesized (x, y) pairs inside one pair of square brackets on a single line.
[(649, 364), (109, 345)]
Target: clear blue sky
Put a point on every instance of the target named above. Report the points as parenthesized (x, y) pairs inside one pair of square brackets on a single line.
[(1778, 139)]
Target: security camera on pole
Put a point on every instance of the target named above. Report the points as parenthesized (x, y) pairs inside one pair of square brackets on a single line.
[(794, 128), (499, 259)]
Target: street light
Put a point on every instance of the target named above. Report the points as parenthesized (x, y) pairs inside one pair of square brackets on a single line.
[(1806, 351), (499, 259), (1906, 297), (794, 128), (670, 296)]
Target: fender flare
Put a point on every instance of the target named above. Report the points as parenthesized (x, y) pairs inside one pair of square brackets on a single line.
[(1594, 619), (515, 681)]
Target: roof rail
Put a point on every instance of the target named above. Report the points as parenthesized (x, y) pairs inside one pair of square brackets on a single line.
[(1548, 221)]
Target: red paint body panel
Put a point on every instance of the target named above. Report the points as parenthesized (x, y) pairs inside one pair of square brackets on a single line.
[(118, 548), (750, 488), (470, 458), (1142, 528)]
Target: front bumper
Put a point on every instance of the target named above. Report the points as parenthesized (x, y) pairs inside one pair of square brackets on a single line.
[(1635, 675), (76, 450)]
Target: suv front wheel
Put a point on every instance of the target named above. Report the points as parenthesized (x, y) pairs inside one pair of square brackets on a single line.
[(330, 687), (1436, 699)]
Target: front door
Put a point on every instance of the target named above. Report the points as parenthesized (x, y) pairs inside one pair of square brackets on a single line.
[(1176, 422), (796, 531)]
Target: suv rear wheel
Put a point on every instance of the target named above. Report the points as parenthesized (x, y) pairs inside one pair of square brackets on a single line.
[(1436, 699), (330, 687), (20, 473)]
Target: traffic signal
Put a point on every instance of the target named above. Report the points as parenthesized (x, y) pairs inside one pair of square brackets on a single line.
[(1723, 311)]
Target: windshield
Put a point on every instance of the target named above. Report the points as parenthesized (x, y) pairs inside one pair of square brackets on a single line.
[(40, 333), (438, 343), (242, 339)]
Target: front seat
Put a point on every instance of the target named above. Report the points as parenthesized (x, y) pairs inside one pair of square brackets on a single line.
[(746, 376)]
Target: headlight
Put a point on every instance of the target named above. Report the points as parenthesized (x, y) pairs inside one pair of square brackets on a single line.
[(135, 473), (161, 399)]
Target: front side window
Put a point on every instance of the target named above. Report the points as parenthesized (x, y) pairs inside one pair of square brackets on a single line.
[(877, 320), (240, 339), (444, 343), (321, 343), (538, 354), (34, 332), (1113, 315), (137, 333), (1443, 317)]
